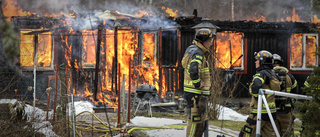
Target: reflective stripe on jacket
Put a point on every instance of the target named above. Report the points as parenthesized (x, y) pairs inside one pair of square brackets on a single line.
[(265, 81)]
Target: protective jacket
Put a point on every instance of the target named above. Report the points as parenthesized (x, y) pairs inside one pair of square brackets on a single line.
[(283, 104), (265, 78), (196, 68)]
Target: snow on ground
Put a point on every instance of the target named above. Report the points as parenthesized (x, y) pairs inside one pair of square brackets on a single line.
[(229, 114), (80, 106), (154, 122), (225, 114), (170, 132)]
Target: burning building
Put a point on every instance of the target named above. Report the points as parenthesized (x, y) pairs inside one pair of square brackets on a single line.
[(112, 52)]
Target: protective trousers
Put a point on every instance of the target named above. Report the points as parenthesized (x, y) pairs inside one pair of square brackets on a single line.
[(249, 129), (282, 122), (196, 128)]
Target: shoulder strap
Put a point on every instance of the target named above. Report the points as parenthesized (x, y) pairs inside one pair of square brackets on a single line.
[(269, 74)]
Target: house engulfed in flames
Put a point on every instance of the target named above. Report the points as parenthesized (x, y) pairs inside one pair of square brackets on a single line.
[(115, 52)]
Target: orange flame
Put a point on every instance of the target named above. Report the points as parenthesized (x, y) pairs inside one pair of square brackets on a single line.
[(10, 9), (225, 41), (315, 19), (89, 46), (26, 49), (311, 48), (170, 11), (256, 18), (296, 50), (294, 18), (44, 49), (141, 13)]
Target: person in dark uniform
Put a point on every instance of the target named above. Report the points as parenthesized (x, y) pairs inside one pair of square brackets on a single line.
[(265, 78)]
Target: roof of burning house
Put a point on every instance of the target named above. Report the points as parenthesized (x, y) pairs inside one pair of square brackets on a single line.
[(264, 27), (114, 18), (249, 26)]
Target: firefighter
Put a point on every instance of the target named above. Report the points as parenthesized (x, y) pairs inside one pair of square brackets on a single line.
[(265, 78), (197, 80), (284, 105)]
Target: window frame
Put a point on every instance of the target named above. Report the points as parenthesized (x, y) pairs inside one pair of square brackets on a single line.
[(143, 63), (30, 68), (242, 67), (304, 67), (89, 65)]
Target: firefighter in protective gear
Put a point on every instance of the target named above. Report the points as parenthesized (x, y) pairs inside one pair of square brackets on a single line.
[(265, 78), (284, 105), (197, 80)]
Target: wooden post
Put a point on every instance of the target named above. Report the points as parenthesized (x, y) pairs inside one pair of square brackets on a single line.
[(159, 61), (129, 92), (96, 81), (119, 98), (55, 93), (122, 91)]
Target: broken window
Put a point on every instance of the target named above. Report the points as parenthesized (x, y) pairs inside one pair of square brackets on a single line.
[(303, 49), (89, 48), (229, 50), (41, 52)]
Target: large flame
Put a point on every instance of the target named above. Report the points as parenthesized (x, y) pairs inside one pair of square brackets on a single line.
[(297, 51), (294, 18), (10, 9), (89, 46), (228, 42), (44, 48), (311, 48), (26, 49)]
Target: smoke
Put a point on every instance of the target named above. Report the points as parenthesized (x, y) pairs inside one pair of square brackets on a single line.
[(276, 9), (272, 10), (93, 11)]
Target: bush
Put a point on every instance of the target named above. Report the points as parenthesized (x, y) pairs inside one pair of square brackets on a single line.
[(311, 117)]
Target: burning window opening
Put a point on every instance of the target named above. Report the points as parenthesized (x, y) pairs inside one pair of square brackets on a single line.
[(229, 42), (27, 47), (149, 50), (89, 48), (303, 49)]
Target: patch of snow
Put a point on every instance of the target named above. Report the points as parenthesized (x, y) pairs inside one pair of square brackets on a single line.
[(81, 106), (229, 114), (154, 122)]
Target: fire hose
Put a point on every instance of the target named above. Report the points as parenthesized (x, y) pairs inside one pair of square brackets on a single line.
[(95, 128)]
